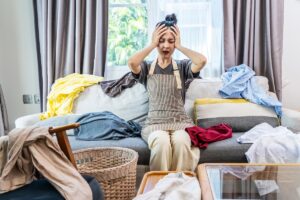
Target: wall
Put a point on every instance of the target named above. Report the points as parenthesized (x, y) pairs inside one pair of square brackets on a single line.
[(18, 65), (291, 52)]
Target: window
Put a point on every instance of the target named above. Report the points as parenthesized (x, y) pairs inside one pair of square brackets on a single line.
[(127, 34), (131, 24)]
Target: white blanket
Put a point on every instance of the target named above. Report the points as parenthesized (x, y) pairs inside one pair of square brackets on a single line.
[(263, 129), (272, 145), (174, 186)]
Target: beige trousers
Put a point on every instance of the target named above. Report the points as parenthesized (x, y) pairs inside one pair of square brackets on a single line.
[(172, 151)]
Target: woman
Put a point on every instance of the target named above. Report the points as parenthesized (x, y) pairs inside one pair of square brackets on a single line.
[(164, 78)]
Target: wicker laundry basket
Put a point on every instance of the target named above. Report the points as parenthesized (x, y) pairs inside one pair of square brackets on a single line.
[(114, 168)]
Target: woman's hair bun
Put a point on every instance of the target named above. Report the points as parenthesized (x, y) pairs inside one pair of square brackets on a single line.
[(171, 19)]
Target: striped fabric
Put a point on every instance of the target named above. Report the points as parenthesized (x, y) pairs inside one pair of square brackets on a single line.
[(240, 114), (166, 108)]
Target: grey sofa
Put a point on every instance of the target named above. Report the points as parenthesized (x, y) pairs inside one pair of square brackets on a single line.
[(132, 104)]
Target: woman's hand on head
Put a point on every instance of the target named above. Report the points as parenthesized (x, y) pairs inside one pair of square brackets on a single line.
[(157, 33), (176, 33)]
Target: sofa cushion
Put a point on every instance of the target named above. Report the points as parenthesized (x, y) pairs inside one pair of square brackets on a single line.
[(228, 150), (131, 104), (209, 88), (60, 121), (135, 143), (240, 114)]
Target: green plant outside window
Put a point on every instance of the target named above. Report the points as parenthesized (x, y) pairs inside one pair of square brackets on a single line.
[(127, 32)]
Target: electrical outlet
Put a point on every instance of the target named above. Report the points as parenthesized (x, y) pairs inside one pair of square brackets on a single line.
[(36, 99), (27, 99)]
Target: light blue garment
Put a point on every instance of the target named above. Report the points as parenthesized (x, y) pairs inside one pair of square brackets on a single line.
[(105, 126), (239, 82)]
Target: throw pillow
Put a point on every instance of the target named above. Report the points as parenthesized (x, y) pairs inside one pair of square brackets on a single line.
[(240, 114)]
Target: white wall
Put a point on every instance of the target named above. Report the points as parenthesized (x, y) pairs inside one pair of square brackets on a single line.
[(18, 63), (291, 55)]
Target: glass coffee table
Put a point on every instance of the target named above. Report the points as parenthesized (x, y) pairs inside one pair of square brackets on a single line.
[(249, 181)]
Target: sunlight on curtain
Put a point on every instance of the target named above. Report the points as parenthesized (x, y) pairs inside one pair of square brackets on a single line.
[(201, 25)]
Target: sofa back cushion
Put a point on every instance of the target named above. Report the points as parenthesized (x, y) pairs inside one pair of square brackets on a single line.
[(209, 88), (240, 114), (131, 104)]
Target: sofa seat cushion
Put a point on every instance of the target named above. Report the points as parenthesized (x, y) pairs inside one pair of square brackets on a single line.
[(135, 143), (228, 150), (240, 114)]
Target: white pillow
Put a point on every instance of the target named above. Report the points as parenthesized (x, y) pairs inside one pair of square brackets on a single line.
[(209, 88), (131, 104)]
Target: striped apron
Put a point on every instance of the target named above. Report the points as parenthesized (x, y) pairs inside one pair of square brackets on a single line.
[(166, 108)]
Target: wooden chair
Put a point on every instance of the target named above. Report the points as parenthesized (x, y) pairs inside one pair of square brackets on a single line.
[(63, 140), (42, 189)]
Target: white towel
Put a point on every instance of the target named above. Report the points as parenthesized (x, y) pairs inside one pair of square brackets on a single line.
[(174, 186)]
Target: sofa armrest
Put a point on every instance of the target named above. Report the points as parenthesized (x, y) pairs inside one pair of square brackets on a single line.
[(27, 120), (291, 119)]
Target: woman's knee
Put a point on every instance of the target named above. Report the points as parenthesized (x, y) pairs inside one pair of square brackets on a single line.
[(180, 138), (159, 138)]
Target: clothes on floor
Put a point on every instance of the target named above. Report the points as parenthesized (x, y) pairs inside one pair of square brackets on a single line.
[(201, 137), (64, 91), (164, 127), (115, 87), (172, 151), (174, 186), (34, 148), (260, 130), (239, 82)]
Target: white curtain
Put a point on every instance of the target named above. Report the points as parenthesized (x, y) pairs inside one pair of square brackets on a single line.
[(201, 26)]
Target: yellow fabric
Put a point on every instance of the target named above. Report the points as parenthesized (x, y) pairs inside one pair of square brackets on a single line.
[(216, 100), (64, 91)]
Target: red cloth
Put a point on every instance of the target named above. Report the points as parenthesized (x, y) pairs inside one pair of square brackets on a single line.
[(201, 137)]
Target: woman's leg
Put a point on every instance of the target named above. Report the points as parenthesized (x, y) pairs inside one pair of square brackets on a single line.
[(185, 157), (161, 151)]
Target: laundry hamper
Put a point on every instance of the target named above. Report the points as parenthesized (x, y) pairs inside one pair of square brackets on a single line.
[(113, 167)]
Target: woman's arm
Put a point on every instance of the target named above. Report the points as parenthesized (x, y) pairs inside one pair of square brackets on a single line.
[(198, 59), (134, 62)]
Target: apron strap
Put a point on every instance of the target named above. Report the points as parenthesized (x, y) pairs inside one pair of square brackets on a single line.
[(151, 71), (175, 72)]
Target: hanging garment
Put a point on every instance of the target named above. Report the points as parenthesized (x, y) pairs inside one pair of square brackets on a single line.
[(239, 82), (33, 148), (64, 91), (201, 137)]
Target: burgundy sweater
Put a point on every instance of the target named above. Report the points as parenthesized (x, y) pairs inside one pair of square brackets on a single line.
[(201, 137)]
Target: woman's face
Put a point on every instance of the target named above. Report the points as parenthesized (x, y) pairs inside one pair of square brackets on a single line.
[(166, 45)]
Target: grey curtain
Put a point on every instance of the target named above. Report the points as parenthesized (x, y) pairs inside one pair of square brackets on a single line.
[(253, 35), (71, 37), (4, 126)]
